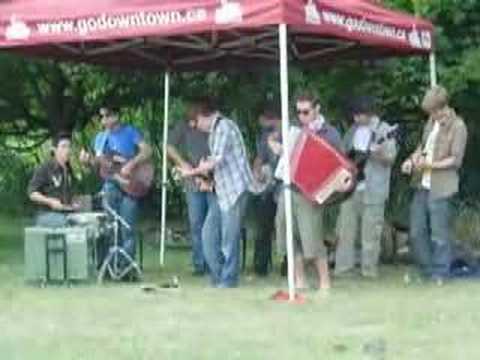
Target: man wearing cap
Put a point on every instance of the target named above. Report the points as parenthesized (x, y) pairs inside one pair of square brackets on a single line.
[(363, 213), (434, 166)]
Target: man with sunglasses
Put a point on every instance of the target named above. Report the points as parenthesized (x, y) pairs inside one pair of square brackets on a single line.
[(307, 217), (126, 145)]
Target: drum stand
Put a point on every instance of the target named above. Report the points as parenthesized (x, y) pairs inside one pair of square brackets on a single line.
[(116, 252)]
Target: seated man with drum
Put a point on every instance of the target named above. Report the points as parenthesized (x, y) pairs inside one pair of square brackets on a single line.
[(51, 185)]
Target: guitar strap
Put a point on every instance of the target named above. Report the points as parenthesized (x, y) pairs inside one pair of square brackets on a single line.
[(102, 145)]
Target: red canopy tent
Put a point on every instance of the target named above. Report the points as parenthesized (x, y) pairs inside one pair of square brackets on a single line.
[(208, 34), (195, 35)]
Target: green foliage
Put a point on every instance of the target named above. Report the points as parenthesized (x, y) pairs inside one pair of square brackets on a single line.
[(47, 97)]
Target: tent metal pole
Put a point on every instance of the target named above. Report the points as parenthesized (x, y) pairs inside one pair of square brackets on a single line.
[(433, 70), (286, 174), (163, 215)]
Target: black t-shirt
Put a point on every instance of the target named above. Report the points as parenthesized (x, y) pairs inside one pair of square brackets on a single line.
[(52, 180)]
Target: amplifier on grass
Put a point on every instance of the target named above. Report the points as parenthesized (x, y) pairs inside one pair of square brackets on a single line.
[(74, 263)]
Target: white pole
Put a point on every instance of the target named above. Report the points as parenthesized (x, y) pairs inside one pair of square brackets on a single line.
[(433, 70), (166, 93), (286, 175)]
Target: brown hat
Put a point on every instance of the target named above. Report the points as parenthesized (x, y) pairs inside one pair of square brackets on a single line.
[(435, 98)]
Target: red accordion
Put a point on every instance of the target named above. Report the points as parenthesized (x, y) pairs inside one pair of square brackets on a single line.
[(318, 169)]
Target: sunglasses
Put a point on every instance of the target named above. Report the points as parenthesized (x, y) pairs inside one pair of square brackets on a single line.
[(107, 113), (304, 112)]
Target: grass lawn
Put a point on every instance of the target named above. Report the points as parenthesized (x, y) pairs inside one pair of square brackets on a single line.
[(384, 319)]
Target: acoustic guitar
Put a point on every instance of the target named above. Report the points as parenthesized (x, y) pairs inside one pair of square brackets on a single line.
[(137, 185)]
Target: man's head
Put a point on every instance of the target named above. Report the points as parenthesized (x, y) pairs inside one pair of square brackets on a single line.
[(109, 116), (307, 108), (363, 109), (435, 101), (204, 110), (269, 117), (61, 147)]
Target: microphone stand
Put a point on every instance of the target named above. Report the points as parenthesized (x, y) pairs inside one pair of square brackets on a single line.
[(116, 252)]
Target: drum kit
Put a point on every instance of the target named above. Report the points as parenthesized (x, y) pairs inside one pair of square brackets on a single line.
[(104, 226)]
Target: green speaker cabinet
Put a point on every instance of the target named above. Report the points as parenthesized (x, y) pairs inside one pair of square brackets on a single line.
[(59, 254)]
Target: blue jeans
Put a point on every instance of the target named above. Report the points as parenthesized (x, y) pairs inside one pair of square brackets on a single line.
[(198, 204), (430, 227), (127, 208), (51, 219), (221, 242)]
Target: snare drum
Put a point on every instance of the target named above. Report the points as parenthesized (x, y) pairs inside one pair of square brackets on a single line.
[(93, 220)]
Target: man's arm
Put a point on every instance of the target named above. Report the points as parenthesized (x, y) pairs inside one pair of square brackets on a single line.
[(35, 187), (53, 203), (385, 153), (176, 157)]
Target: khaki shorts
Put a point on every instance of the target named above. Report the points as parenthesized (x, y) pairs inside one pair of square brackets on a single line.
[(307, 222)]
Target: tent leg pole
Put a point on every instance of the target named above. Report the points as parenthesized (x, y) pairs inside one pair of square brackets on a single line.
[(286, 175), (164, 168), (433, 70)]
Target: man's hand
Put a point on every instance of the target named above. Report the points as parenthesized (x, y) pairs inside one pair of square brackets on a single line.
[(422, 164), (205, 166), (84, 157), (56, 204), (127, 169), (346, 185), (185, 170), (275, 146), (407, 167)]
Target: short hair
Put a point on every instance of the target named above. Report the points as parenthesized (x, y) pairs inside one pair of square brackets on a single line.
[(435, 98), (111, 104), (201, 106), (364, 104), (270, 111), (307, 96), (58, 138)]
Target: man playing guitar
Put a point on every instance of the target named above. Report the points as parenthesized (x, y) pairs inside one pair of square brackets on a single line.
[(124, 145), (187, 146)]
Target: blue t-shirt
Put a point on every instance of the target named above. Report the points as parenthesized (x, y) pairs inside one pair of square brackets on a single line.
[(122, 141)]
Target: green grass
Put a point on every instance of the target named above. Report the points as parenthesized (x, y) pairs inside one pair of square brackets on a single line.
[(384, 319)]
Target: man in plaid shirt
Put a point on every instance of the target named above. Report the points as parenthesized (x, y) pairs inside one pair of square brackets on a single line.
[(233, 180)]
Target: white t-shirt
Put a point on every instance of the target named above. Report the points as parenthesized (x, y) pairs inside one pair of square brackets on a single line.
[(429, 150), (361, 141)]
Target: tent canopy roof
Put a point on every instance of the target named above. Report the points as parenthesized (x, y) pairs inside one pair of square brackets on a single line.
[(208, 34)]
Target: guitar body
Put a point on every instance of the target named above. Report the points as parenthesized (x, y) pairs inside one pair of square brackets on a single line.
[(136, 185)]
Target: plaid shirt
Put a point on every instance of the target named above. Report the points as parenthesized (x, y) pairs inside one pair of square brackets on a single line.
[(232, 173)]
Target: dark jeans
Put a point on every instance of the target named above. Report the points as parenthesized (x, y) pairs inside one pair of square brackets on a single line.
[(198, 204), (264, 208), (430, 232), (127, 208)]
